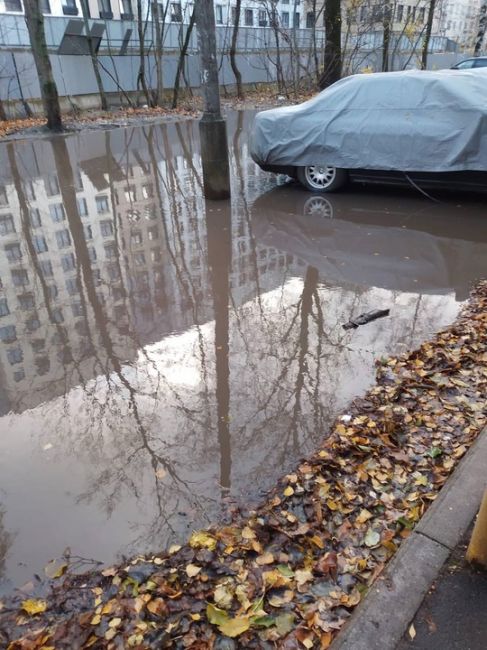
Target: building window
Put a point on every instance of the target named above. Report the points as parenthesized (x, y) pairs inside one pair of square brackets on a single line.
[(262, 18), (422, 14), (310, 19), (8, 334), (6, 224), (45, 7), (13, 5), (4, 310), (106, 228), (15, 355), (63, 239), (46, 268), (20, 277), (102, 204), (219, 14), (70, 8), (249, 18), (399, 13), (57, 212), (13, 252), (35, 218), (105, 9), (68, 262), (82, 207), (233, 15), (285, 18), (39, 243), (176, 13), (3, 196), (26, 302), (126, 10), (297, 20), (52, 185)]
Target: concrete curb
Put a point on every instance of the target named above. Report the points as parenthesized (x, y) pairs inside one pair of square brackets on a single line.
[(381, 620)]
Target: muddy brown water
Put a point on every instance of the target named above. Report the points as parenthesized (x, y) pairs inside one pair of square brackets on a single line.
[(163, 358)]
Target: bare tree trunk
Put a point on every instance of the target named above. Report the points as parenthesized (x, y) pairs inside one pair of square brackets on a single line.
[(332, 64), (482, 29), (27, 109), (3, 113), (182, 56), (427, 36), (233, 50), (386, 38), (94, 56), (156, 24), (141, 74), (50, 99)]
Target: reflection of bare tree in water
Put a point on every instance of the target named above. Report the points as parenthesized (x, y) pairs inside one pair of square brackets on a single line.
[(6, 540), (134, 437)]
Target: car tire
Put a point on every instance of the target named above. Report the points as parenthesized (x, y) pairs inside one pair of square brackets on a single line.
[(322, 178)]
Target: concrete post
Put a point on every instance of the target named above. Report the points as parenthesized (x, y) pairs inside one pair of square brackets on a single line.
[(214, 147), (477, 549)]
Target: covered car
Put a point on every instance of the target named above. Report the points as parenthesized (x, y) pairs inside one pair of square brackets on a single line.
[(408, 122)]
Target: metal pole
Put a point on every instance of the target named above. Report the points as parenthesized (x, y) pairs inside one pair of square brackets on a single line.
[(477, 549), (213, 134)]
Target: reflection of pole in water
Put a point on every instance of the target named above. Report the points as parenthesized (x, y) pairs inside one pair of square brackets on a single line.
[(219, 231)]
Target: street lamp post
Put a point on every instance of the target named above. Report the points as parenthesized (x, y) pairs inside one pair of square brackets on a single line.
[(213, 134)]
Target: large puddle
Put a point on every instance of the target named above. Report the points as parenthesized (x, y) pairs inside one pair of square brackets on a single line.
[(163, 359)]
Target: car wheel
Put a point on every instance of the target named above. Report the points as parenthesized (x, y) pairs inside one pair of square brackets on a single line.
[(322, 178)]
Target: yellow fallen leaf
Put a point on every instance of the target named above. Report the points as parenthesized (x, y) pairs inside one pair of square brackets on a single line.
[(202, 539), (235, 626), (412, 631), (363, 516), (111, 633), (55, 569), (95, 620), (192, 570), (115, 622), (174, 549), (33, 606), (266, 558), (248, 533), (288, 491)]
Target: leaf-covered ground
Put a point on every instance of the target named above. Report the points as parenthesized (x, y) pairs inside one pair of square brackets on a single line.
[(264, 97), (290, 574)]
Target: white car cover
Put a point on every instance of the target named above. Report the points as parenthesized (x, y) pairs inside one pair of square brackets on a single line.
[(409, 121)]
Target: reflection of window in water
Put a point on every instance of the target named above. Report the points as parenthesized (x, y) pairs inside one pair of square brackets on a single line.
[(130, 194), (52, 186), (139, 259), (148, 191), (26, 301), (20, 277), (15, 355), (150, 213), (88, 233), (82, 207), (110, 251), (106, 228), (77, 309), (153, 233), (39, 243), (63, 238), (156, 254), (3, 196), (13, 252), (102, 204), (42, 365), (52, 291), (45, 267), (35, 218), (33, 324), (57, 212), (19, 375), (113, 272), (136, 237), (92, 254), (57, 316), (68, 262), (29, 191), (8, 334), (38, 345), (6, 224), (72, 286)]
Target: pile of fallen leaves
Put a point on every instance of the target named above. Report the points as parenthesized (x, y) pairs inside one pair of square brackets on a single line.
[(291, 573)]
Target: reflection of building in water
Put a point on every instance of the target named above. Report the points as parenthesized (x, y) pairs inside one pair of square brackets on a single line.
[(147, 248)]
